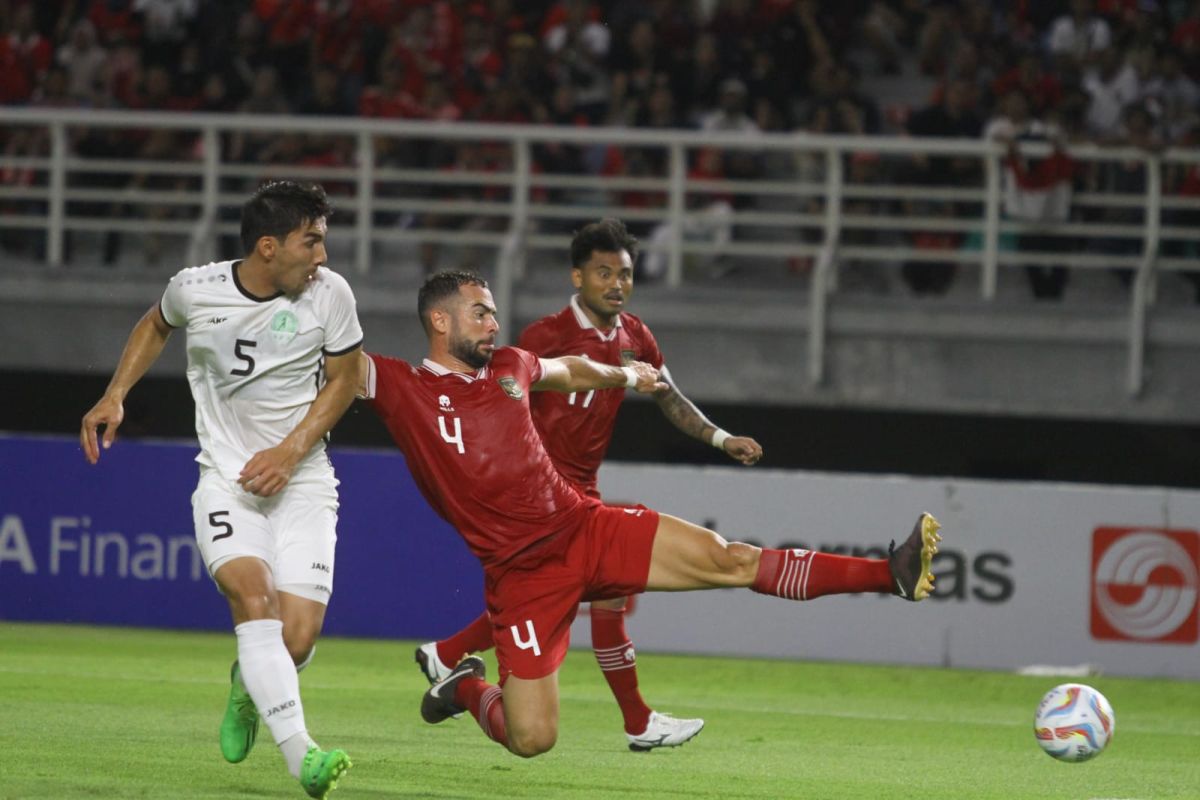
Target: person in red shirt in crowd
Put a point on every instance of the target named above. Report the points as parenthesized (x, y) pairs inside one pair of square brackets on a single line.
[(576, 431), (480, 62), (290, 30), (338, 42), (1029, 77), (25, 55), (464, 422), (394, 97)]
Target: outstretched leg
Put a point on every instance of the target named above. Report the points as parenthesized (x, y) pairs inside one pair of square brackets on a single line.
[(686, 556)]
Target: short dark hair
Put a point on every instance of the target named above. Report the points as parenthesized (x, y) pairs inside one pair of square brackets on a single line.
[(280, 207), (606, 236), (441, 285)]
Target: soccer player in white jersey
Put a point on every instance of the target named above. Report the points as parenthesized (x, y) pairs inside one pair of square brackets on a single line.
[(272, 346)]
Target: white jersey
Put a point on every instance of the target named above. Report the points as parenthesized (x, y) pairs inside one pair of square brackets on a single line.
[(255, 364)]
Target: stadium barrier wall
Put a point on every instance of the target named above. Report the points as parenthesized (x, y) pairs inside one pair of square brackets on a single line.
[(1060, 575), (1028, 574)]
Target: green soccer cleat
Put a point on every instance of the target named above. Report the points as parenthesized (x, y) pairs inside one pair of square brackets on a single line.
[(240, 725), (320, 771)]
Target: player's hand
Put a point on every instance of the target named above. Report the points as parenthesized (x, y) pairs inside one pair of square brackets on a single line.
[(648, 379), (109, 412), (268, 471), (743, 449)]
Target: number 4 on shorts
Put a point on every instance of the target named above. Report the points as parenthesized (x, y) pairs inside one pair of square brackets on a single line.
[(529, 643)]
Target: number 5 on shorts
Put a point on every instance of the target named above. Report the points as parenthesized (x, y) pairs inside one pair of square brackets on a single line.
[(220, 523), (531, 643)]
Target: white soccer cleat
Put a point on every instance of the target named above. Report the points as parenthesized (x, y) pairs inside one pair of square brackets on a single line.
[(663, 730), (431, 666)]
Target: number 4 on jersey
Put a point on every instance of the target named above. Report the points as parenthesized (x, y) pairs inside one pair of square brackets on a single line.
[(456, 439), (528, 643)]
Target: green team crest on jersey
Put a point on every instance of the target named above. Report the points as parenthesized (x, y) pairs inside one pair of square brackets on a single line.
[(511, 387), (284, 326)]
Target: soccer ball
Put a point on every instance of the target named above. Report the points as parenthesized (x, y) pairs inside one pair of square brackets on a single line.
[(1073, 722)]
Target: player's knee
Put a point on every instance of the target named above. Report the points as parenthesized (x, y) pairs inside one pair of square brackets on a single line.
[(532, 742), (252, 604), (736, 559)]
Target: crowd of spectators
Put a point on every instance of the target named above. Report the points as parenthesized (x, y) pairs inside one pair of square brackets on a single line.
[(1107, 71)]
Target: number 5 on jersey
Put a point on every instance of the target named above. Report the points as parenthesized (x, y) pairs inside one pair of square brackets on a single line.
[(239, 352), (224, 526), (455, 439)]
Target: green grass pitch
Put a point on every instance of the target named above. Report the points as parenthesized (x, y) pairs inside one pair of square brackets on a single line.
[(119, 713)]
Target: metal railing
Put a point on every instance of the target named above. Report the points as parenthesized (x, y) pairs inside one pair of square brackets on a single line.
[(776, 198)]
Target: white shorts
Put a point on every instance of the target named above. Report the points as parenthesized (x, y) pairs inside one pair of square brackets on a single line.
[(294, 531)]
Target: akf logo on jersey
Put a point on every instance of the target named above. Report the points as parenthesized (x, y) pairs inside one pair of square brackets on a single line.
[(1145, 585), (511, 387), (627, 357), (284, 326)]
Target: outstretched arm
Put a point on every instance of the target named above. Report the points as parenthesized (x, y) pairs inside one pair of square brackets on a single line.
[(144, 346), (684, 415), (575, 374), (268, 471)]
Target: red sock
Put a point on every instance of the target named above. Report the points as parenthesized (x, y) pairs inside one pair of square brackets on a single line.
[(617, 660), (805, 575), (475, 638), (486, 704)]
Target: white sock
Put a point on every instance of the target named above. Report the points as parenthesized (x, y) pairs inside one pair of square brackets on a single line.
[(294, 750), (270, 678)]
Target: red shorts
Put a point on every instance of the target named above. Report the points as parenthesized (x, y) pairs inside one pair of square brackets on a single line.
[(532, 608)]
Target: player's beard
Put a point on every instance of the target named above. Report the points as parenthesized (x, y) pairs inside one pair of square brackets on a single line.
[(468, 352)]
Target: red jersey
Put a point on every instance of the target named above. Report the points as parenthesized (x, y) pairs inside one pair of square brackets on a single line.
[(474, 453), (577, 427)]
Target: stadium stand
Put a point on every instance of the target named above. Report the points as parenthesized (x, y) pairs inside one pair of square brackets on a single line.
[(1018, 174)]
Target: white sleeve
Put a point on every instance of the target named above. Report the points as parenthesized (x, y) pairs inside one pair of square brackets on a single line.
[(174, 304), (342, 331)]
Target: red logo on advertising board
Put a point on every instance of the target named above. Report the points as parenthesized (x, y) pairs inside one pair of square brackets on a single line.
[(1145, 584)]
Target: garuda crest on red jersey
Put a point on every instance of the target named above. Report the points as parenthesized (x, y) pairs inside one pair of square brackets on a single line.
[(511, 387)]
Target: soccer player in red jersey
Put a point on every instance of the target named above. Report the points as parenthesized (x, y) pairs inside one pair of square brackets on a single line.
[(462, 419), (576, 429)]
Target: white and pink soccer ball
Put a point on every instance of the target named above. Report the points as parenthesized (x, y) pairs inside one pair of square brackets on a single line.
[(1073, 722)]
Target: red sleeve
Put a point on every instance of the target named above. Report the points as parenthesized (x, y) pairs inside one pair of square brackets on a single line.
[(388, 389), (532, 365), (648, 347)]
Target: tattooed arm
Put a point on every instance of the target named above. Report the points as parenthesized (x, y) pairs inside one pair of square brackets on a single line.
[(685, 416)]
